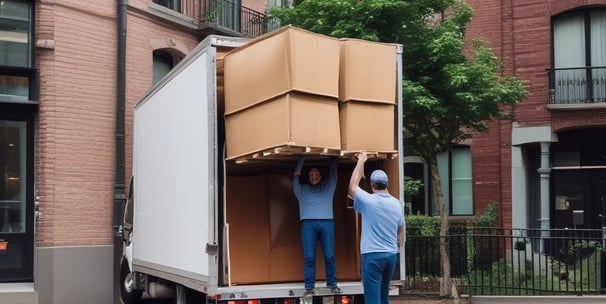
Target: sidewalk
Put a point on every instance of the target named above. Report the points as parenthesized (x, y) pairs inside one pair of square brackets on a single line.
[(419, 299)]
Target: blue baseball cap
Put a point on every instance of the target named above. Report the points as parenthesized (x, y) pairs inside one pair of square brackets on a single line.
[(378, 177)]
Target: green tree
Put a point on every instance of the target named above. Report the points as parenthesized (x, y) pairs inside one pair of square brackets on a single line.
[(451, 88)]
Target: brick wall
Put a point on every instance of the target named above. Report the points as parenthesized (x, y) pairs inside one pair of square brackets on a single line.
[(256, 5), (75, 156), (520, 33), (75, 161)]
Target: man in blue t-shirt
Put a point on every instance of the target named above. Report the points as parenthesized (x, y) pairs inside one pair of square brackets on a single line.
[(382, 229), (315, 211)]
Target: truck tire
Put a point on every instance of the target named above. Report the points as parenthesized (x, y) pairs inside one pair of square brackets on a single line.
[(128, 293), (184, 295)]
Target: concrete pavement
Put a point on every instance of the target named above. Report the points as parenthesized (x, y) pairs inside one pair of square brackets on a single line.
[(430, 299)]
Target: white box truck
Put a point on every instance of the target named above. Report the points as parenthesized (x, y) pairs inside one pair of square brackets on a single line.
[(201, 229)]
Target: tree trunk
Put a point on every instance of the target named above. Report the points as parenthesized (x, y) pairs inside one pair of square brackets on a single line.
[(445, 285)]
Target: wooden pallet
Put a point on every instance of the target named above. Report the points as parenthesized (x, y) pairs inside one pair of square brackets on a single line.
[(371, 154), (291, 152)]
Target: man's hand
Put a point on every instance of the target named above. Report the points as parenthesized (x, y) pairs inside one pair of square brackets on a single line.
[(358, 174), (362, 156)]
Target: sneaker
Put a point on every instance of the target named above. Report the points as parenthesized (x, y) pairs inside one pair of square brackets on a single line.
[(336, 290), (309, 292)]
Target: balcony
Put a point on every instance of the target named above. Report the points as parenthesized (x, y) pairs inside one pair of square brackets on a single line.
[(577, 88), (228, 18)]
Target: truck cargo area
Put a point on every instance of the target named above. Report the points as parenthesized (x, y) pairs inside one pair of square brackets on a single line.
[(224, 224)]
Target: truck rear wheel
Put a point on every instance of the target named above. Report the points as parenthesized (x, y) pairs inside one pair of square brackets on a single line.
[(128, 293)]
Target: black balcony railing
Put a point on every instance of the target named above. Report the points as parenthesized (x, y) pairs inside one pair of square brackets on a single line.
[(234, 17), (497, 261), (577, 85)]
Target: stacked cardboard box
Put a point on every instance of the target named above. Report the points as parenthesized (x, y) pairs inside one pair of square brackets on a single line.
[(295, 88), (367, 92), (282, 89)]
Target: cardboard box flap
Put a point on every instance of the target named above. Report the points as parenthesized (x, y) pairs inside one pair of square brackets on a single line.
[(288, 59), (368, 71)]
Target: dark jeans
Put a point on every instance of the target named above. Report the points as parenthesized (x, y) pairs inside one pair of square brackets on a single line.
[(377, 270), (313, 231)]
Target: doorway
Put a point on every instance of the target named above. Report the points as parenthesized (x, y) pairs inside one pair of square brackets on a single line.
[(16, 198), (579, 198)]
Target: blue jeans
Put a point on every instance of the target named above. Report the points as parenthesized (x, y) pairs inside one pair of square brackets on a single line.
[(377, 270), (313, 231)]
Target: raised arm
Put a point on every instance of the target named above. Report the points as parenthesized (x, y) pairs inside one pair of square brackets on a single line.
[(334, 163), (358, 174), (296, 186), (299, 166)]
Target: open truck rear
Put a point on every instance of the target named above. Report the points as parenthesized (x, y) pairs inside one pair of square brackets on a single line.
[(206, 226)]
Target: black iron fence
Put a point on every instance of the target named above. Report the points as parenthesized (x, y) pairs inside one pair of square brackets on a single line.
[(497, 261), (577, 85), (233, 16)]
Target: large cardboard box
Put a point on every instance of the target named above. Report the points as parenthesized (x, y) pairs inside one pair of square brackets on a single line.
[(288, 59), (292, 119), (247, 215), (265, 231), (367, 126), (368, 71)]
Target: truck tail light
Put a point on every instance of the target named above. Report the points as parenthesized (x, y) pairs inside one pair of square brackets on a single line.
[(245, 302), (344, 300)]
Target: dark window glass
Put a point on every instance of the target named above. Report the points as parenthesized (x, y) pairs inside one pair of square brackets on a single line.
[(15, 34), (14, 88), (172, 4), (163, 63)]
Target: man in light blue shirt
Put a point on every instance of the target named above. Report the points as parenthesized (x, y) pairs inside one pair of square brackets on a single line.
[(382, 227), (316, 215)]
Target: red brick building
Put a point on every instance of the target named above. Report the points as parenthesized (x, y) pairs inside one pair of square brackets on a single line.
[(547, 161), (66, 104)]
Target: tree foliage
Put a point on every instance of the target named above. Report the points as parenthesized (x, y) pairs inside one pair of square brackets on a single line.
[(450, 89), (452, 84)]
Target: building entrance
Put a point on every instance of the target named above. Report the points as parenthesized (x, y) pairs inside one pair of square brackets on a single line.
[(579, 179), (16, 200), (579, 198)]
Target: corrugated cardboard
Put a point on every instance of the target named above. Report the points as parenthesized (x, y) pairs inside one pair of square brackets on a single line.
[(367, 71), (286, 260), (284, 60), (367, 126), (247, 215), (292, 119), (265, 231)]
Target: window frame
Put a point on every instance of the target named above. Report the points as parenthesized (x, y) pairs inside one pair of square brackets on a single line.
[(562, 73), (29, 72), (445, 171), (165, 55), (174, 5)]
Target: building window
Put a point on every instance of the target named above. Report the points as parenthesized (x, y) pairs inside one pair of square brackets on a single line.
[(163, 63), (14, 88), (16, 66), (174, 5), (579, 51), (272, 23), (456, 180), (12, 169), (15, 33)]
